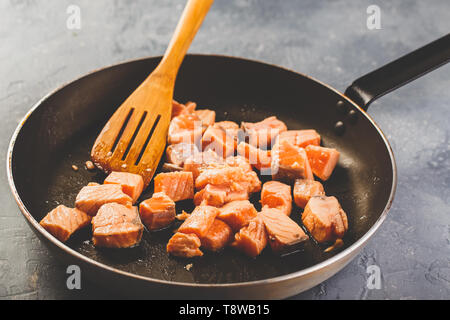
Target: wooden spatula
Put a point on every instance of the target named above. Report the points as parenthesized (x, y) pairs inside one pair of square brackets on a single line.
[(134, 138)]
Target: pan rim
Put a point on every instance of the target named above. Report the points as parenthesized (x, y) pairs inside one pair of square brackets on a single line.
[(297, 274)]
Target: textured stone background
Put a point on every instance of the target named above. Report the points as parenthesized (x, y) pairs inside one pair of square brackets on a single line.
[(325, 39)]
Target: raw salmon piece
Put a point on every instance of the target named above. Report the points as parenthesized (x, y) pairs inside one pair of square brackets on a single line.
[(179, 108), (259, 159), (251, 239), (282, 230), (178, 153), (185, 128), (231, 128), (200, 220), (300, 138), (252, 181), (125, 235), (218, 236), (277, 195), (217, 140), (237, 214), (222, 175), (207, 117), (325, 219), (91, 198), (157, 212), (201, 161), (233, 177), (289, 163), (305, 190), (62, 222), (116, 226), (262, 134), (177, 185), (239, 161), (322, 160), (236, 195), (132, 184), (114, 214), (184, 245), (211, 195), (217, 196), (221, 184)]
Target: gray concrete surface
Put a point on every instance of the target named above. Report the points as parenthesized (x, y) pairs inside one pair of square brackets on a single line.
[(328, 40)]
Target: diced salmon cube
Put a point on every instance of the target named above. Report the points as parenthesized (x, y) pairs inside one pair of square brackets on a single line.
[(116, 226), (233, 177), (217, 140), (212, 195), (201, 161), (251, 239), (200, 220), (236, 195), (62, 222), (289, 163), (179, 108), (237, 214), (277, 195), (217, 196), (124, 235), (262, 134), (177, 185), (207, 117), (132, 184), (217, 237), (185, 128), (325, 219), (259, 159), (184, 245), (300, 138), (305, 190), (178, 153), (322, 160), (239, 161), (231, 128), (222, 175), (91, 198), (224, 185), (252, 181), (157, 212), (113, 214), (283, 231)]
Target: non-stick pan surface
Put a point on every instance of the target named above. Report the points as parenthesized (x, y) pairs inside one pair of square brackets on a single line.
[(61, 128)]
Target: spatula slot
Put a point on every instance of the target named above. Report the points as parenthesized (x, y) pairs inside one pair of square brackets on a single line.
[(122, 129), (147, 140), (144, 115)]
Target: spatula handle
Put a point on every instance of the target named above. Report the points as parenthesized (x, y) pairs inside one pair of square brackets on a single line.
[(190, 21)]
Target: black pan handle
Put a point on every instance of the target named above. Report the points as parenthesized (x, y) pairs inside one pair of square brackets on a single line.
[(399, 72)]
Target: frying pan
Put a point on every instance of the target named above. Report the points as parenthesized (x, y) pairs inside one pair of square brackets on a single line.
[(60, 129)]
